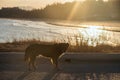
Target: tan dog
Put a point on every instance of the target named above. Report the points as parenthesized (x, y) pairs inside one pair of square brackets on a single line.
[(52, 51)]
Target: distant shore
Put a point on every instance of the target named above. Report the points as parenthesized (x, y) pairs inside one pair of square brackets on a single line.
[(60, 21), (77, 23)]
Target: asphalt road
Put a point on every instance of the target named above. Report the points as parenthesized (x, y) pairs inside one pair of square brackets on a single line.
[(15, 61), (11, 62)]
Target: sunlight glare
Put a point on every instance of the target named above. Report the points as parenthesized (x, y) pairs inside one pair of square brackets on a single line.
[(105, 0), (91, 32), (73, 11)]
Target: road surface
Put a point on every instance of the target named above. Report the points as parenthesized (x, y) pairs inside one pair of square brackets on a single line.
[(13, 67)]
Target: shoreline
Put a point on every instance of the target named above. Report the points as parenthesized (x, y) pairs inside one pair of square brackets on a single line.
[(51, 21), (102, 25)]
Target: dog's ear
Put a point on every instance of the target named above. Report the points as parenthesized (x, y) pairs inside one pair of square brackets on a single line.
[(62, 47), (66, 45)]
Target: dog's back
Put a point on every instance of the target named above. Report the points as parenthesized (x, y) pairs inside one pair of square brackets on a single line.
[(41, 49)]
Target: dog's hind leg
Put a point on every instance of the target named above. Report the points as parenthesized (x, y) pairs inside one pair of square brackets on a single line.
[(29, 64), (55, 62), (52, 61), (33, 63)]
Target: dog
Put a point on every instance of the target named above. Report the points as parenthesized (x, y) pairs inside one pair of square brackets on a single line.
[(52, 51)]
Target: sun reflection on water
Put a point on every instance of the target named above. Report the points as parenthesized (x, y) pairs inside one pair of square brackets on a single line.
[(93, 31), (92, 34)]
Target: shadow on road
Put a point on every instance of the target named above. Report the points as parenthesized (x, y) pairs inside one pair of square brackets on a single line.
[(21, 77), (52, 75)]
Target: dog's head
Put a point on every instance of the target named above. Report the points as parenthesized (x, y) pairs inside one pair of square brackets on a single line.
[(62, 47)]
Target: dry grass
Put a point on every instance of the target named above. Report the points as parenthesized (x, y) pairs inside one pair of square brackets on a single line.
[(18, 46), (80, 46)]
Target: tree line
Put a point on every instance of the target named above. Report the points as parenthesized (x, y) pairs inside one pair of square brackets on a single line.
[(87, 10)]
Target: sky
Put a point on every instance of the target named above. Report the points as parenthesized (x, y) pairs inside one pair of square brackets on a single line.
[(31, 3)]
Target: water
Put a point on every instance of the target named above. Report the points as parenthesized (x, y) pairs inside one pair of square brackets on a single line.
[(107, 33)]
